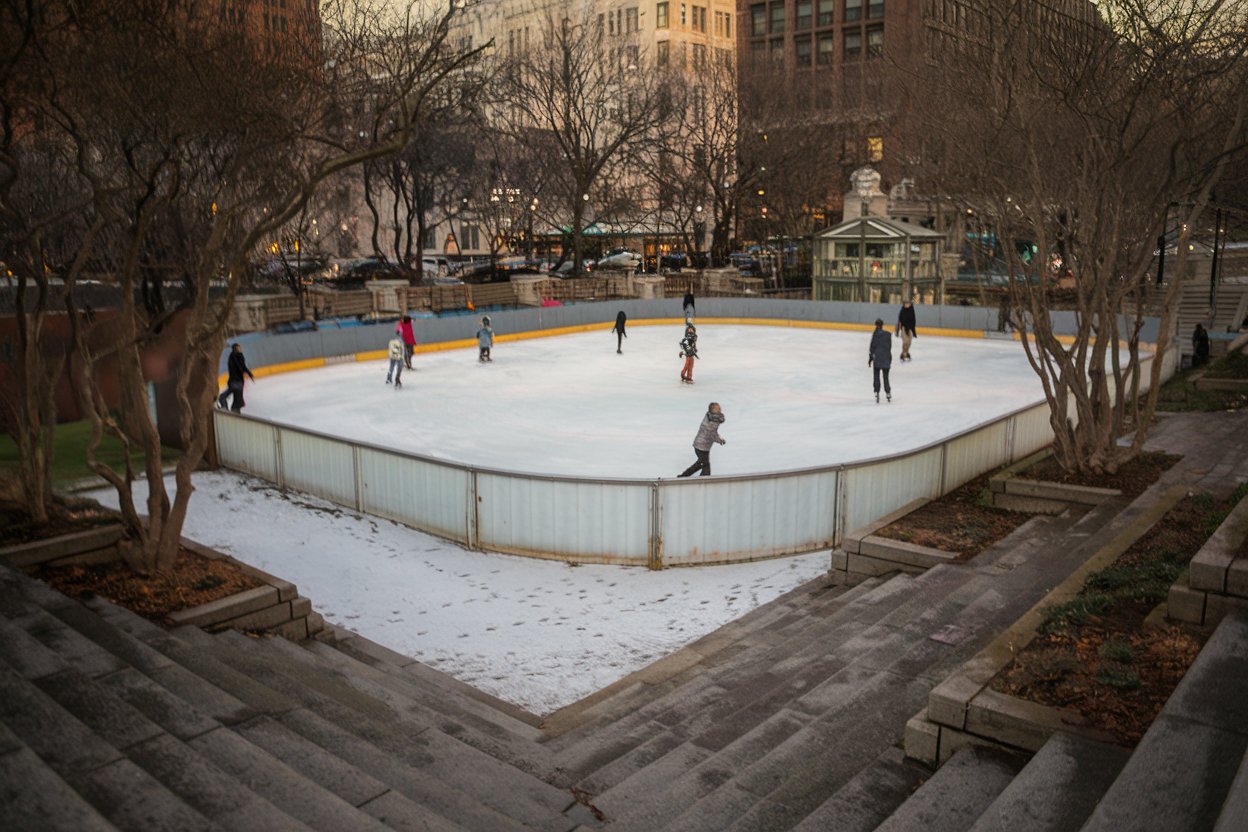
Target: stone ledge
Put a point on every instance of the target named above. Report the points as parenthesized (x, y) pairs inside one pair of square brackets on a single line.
[(853, 539), (1084, 495), (963, 701), (1028, 505), (911, 554), (1235, 385), (224, 609), (95, 544), (1211, 567)]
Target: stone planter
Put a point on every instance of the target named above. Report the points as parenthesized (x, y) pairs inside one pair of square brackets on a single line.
[(863, 553), (965, 710), (1217, 580), (1042, 496), (275, 607)]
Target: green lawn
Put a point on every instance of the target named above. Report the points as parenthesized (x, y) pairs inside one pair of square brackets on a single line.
[(69, 453)]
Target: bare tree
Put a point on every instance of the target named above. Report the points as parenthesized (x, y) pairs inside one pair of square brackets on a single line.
[(582, 112), (1069, 139), (196, 142)]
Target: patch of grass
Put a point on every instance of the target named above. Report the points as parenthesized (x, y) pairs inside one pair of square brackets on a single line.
[(1179, 394), (1074, 612), (1231, 365), (1117, 650), (69, 453), (1119, 676), (1146, 580)]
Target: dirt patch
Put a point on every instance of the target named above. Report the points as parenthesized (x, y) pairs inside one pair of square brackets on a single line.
[(194, 580), (1132, 479), (16, 526), (1094, 653), (960, 522)]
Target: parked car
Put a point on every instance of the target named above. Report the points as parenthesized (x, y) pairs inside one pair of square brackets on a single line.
[(619, 258)]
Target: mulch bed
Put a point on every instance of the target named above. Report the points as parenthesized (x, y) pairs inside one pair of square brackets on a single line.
[(1133, 478), (1095, 655), (961, 522), (194, 580)]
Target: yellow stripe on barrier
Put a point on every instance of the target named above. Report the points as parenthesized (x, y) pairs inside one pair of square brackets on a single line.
[(464, 343)]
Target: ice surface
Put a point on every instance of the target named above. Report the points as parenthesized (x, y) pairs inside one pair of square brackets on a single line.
[(570, 405), (541, 634)]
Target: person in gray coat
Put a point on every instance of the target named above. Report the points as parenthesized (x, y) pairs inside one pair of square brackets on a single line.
[(485, 339), (708, 435), (880, 356)]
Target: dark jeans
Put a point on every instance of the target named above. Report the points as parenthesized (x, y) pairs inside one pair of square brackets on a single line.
[(407, 355), (619, 341), (235, 388), (878, 371), (703, 464)]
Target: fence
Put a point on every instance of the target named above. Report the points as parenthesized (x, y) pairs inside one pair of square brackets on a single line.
[(653, 522)]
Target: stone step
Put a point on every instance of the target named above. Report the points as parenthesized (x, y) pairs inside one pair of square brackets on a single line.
[(511, 717), (1234, 814), (32, 796), (491, 781), (1183, 768), (1058, 788), (653, 709), (115, 783), (868, 797), (723, 713), (956, 795), (436, 707)]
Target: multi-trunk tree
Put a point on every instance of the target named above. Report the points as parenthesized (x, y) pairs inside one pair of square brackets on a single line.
[(1073, 142)]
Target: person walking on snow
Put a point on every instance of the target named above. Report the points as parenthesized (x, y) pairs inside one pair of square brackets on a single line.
[(404, 330), (688, 351), (905, 328), (708, 435), (396, 361), (237, 368), (620, 334), (880, 354), (485, 339)]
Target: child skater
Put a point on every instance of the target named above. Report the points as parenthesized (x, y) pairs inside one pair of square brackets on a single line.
[(688, 351), (395, 372), (485, 339)]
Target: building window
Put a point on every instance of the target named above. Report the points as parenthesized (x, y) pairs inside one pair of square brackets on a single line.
[(777, 18), (853, 10), (630, 19), (758, 49), (803, 51), (727, 24), (853, 43), (758, 20), (801, 21), (875, 41), (826, 11), (662, 52), (702, 19), (660, 16), (875, 9), (699, 55), (875, 148), (777, 50), (684, 15), (827, 44)]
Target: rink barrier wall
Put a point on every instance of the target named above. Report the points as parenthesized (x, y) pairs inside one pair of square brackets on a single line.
[(643, 522)]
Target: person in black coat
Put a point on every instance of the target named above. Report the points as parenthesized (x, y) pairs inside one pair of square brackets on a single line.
[(1200, 346), (618, 329), (905, 328), (688, 305), (880, 355), (237, 368)]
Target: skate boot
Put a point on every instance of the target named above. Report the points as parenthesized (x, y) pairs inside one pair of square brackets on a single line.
[(888, 396), (397, 385), (877, 398)]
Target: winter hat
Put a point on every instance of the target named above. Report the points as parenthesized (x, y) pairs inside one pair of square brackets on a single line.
[(486, 320)]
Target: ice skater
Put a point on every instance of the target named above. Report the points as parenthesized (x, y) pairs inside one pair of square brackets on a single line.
[(405, 331), (688, 351), (708, 435), (397, 360), (905, 328), (688, 306), (485, 339), (620, 334), (880, 355), (237, 368)]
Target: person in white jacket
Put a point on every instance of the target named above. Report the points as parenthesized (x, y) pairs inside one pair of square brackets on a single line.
[(395, 372)]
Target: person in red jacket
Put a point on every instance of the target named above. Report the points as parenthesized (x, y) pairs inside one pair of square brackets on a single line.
[(404, 329)]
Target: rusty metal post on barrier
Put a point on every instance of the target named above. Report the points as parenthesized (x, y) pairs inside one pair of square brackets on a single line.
[(359, 478), (279, 461), (841, 507), (944, 453), (654, 558), (473, 520)]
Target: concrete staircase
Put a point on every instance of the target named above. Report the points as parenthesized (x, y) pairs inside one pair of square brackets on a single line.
[(789, 718), (1230, 307)]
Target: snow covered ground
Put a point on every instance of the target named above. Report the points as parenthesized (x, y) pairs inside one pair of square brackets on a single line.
[(570, 405), (537, 633)]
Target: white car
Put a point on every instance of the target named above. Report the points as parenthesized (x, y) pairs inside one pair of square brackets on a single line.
[(619, 258)]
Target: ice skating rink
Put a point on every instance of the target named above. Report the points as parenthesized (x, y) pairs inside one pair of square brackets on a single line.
[(568, 404)]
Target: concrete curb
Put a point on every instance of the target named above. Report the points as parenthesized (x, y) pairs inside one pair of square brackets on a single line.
[(963, 708), (1015, 493), (864, 554), (1216, 583)]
